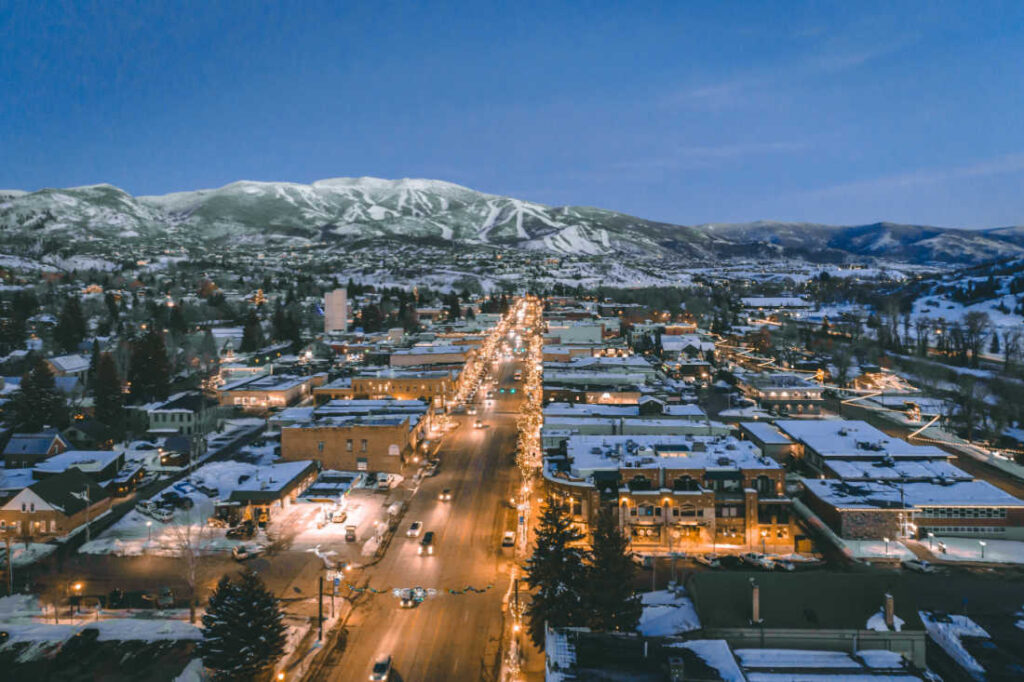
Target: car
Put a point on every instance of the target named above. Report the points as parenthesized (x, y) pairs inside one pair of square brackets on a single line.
[(508, 539), (243, 551), (758, 560), (918, 565), (414, 529), (350, 533), (478, 424), (162, 515), (445, 495), (432, 468), (709, 560), (405, 600), (785, 565), (381, 669), (243, 531), (165, 598), (427, 543), (471, 410), (145, 507)]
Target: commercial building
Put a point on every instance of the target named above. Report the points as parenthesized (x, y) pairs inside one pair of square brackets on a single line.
[(696, 493), (262, 393), (787, 393)]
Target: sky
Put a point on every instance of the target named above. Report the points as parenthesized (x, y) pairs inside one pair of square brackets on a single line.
[(686, 112)]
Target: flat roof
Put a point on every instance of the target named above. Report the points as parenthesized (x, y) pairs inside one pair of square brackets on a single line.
[(87, 460), (874, 495), (848, 438), (589, 453), (766, 433)]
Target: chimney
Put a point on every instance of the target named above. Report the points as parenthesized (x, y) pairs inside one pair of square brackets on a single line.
[(755, 602), (890, 612)]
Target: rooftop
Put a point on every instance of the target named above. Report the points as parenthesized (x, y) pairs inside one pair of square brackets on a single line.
[(885, 495), (846, 438)]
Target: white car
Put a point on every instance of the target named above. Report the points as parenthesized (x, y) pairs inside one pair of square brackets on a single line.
[(917, 565), (381, 670), (243, 552), (758, 560), (146, 507), (162, 515), (709, 560), (508, 539), (415, 528)]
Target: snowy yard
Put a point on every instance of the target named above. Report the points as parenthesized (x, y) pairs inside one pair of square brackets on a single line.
[(667, 613), (969, 549), (878, 549)]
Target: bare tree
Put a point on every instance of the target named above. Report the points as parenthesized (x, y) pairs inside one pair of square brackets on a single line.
[(922, 327), (976, 330), (190, 544)]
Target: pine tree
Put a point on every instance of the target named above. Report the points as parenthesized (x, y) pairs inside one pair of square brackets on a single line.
[(243, 633), (70, 329), (150, 373), (109, 397), (556, 572), (176, 322), (38, 402), (94, 362), (252, 334), (610, 601)]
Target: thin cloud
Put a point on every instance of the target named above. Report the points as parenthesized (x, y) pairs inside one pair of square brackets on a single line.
[(710, 156), (1009, 163)]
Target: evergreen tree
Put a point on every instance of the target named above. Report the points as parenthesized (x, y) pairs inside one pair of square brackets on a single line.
[(208, 349), (452, 303), (176, 322), (70, 329), (243, 633), (12, 334), (610, 601), (252, 334), (556, 572), (38, 402), (94, 362), (150, 369), (109, 397)]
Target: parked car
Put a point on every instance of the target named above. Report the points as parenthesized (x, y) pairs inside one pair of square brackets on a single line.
[(785, 565), (243, 551), (432, 467), (918, 565), (165, 598), (381, 670), (709, 560), (145, 507), (446, 495), (350, 533), (758, 560), (414, 529), (508, 539), (427, 543), (162, 515)]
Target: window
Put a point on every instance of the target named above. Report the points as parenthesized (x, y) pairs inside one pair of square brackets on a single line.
[(24, 507), (348, 445), (32, 506), (319, 446), (362, 445), (361, 464)]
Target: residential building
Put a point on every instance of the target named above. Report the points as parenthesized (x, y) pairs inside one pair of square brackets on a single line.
[(54, 506), (25, 450)]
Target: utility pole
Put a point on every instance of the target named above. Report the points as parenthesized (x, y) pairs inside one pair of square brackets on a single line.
[(10, 566), (320, 617)]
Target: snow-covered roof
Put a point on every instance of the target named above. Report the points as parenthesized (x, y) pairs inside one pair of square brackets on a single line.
[(70, 364), (873, 495), (845, 438), (587, 454), (84, 460)]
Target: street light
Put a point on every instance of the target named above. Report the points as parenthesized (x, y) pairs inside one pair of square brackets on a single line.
[(931, 536), (764, 535), (886, 546), (982, 543), (149, 526)]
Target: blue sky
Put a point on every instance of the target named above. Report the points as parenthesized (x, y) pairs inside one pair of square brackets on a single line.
[(687, 112)]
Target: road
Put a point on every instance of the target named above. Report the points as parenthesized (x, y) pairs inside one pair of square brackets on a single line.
[(449, 636)]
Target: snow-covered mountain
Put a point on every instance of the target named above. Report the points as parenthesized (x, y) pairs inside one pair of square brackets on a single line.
[(361, 209)]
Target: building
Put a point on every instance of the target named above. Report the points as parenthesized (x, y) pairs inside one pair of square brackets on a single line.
[(188, 414), (786, 393), (356, 435), (275, 486), (433, 386), (54, 506), (430, 355), (262, 393), (74, 365), (336, 311), (25, 450), (697, 493), (99, 465)]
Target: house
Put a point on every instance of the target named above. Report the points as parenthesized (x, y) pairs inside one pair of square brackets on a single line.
[(27, 449), (74, 365), (99, 465), (88, 433), (54, 507)]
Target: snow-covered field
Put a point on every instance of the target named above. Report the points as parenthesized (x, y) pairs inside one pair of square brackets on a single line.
[(969, 549), (876, 549)]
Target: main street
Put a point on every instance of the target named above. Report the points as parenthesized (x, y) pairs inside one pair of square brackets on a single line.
[(448, 636)]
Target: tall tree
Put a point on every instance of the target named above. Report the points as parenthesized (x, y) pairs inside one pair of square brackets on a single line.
[(70, 329), (556, 572), (610, 600), (109, 396), (243, 632), (150, 373), (252, 334), (38, 402)]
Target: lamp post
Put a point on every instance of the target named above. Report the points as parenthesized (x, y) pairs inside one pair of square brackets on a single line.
[(982, 543), (886, 547), (931, 537), (764, 536), (149, 527)]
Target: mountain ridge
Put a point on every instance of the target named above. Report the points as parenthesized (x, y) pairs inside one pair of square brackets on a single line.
[(336, 210)]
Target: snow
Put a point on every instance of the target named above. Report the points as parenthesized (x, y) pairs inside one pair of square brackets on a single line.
[(876, 549), (717, 655), (877, 622), (968, 549), (193, 672), (666, 613), (948, 636), (22, 556)]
